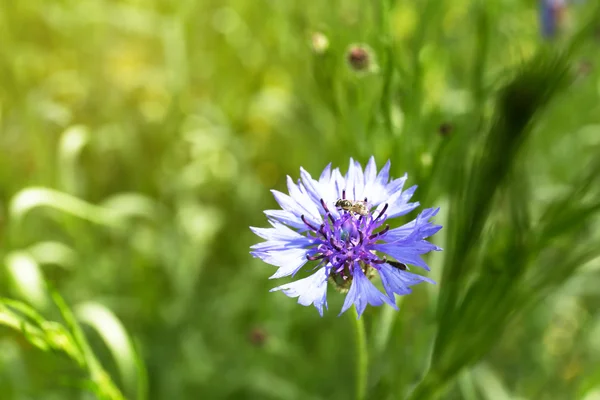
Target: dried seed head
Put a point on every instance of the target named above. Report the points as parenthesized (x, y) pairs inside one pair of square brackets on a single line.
[(361, 58)]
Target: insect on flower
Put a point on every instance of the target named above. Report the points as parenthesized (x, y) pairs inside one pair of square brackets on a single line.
[(398, 265), (357, 207), (349, 244)]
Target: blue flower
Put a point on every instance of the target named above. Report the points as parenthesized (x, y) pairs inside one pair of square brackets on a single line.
[(339, 223), (552, 15)]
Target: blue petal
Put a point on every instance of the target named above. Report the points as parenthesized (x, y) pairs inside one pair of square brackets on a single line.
[(325, 175), (363, 292), (396, 185), (288, 204), (397, 281), (419, 228), (378, 190), (312, 186), (398, 204), (399, 211), (287, 218), (290, 261), (350, 180), (406, 253), (317, 191), (278, 245), (339, 183), (372, 189), (309, 290), (280, 232), (303, 199), (384, 175), (328, 199), (371, 171), (359, 182)]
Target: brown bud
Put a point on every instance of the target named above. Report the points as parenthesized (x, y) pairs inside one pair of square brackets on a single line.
[(445, 129), (258, 336), (361, 58), (584, 68)]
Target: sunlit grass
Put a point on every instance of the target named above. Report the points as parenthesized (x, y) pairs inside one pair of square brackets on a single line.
[(140, 140)]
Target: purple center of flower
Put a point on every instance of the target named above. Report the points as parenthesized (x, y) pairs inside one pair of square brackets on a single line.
[(341, 242)]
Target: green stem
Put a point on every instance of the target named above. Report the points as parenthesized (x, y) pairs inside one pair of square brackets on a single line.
[(362, 359)]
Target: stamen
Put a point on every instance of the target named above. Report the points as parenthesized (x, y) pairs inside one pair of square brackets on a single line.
[(362, 237), (335, 246), (324, 205), (307, 223), (360, 221), (322, 230), (380, 233), (331, 217), (385, 207), (315, 258), (344, 194)]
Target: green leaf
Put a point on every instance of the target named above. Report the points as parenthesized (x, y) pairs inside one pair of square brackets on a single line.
[(110, 329)]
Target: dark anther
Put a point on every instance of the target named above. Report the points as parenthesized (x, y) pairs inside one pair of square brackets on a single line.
[(344, 194), (331, 217), (315, 258), (335, 246), (362, 237), (324, 205), (322, 230), (365, 200), (307, 223), (380, 233), (385, 207)]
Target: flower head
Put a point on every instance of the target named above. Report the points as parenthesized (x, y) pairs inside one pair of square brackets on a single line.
[(552, 16), (340, 224)]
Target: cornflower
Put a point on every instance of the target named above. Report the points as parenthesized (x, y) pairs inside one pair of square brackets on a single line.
[(340, 223)]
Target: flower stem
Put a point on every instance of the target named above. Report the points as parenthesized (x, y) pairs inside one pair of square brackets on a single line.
[(362, 358)]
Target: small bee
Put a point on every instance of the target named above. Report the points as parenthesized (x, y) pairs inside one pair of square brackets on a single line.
[(356, 207), (398, 265)]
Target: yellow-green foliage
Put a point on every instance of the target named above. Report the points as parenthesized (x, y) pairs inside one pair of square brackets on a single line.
[(139, 140)]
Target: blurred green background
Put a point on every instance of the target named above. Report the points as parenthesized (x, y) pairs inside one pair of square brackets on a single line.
[(139, 140)]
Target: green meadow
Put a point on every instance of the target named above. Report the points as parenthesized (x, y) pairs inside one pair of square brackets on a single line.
[(139, 141)]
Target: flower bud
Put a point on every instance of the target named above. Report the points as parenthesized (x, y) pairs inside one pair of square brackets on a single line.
[(361, 58), (258, 336), (445, 129)]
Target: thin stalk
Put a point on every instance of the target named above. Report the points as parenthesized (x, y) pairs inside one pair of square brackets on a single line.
[(362, 357)]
